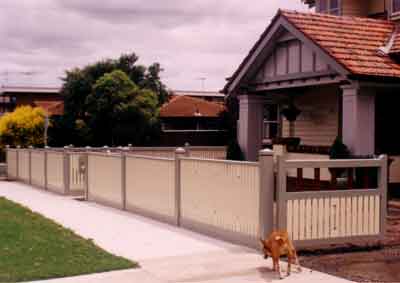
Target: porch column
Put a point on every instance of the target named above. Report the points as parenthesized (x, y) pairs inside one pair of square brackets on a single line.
[(358, 127), (251, 116)]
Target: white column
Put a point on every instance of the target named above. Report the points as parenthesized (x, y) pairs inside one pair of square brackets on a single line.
[(251, 116), (358, 127)]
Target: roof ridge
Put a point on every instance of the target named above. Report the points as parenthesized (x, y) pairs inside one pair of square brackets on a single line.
[(321, 15)]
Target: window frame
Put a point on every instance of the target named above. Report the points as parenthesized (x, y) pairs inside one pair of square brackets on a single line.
[(266, 132), (329, 10), (395, 13)]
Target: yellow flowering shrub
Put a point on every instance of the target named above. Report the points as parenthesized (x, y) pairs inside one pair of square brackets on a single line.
[(24, 127)]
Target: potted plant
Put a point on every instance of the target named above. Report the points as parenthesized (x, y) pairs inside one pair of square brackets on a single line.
[(291, 112)]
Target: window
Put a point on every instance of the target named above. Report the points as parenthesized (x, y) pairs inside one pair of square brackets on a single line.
[(396, 6), (329, 7), (271, 128)]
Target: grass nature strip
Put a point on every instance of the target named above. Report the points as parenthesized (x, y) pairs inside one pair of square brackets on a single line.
[(33, 247)]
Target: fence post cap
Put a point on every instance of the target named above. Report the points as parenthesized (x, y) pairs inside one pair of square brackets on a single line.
[(180, 150), (266, 152)]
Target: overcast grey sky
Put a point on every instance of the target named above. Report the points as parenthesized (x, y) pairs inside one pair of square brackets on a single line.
[(191, 39)]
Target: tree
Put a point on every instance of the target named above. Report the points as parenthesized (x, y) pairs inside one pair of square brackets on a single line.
[(118, 111), (78, 82), (85, 119), (23, 127)]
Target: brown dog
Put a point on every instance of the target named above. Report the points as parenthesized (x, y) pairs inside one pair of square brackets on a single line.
[(278, 244)]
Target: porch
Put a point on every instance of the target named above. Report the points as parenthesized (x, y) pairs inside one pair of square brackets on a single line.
[(363, 117)]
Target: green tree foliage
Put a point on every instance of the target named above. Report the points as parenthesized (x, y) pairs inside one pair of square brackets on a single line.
[(78, 82), (119, 111), (23, 127)]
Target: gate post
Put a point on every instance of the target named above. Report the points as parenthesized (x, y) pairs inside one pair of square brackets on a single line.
[(179, 153), (383, 183), (267, 187)]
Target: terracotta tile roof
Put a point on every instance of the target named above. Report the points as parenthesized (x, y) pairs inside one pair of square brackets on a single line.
[(185, 106), (396, 43), (354, 42), (51, 107)]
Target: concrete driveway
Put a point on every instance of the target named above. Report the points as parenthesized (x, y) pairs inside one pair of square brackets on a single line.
[(165, 253)]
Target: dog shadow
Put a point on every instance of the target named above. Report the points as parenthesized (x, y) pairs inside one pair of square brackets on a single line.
[(268, 274)]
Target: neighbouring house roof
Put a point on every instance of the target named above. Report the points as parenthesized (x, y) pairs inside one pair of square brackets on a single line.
[(28, 89), (51, 107), (185, 106), (353, 43), (197, 93)]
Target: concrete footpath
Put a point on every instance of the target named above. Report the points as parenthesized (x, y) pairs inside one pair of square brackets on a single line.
[(165, 253)]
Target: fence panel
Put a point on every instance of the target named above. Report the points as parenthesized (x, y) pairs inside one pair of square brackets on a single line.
[(12, 163), (221, 198), (208, 152), (38, 168), (150, 187), (23, 165), (55, 172), (105, 184), (333, 215), (77, 172)]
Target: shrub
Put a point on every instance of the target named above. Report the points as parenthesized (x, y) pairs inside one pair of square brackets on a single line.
[(234, 152), (23, 127), (339, 150)]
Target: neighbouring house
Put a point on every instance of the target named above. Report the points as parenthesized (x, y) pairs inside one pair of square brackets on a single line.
[(193, 120), (318, 75), (48, 98)]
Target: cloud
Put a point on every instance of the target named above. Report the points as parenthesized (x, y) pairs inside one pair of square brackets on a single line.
[(191, 39)]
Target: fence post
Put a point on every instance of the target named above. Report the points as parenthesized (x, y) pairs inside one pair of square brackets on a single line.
[(267, 187), (45, 168), (30, 164), (187, 149), (88, 148), (67, 170), (123, 179), (179, 153), (281, 193), (382, 182)]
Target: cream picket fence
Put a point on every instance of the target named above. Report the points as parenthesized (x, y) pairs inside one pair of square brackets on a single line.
[(221, 197), (105, 179), (150, 187)]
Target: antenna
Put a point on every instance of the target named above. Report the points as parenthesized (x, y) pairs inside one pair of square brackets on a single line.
[(203, 83), (6, 73)]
